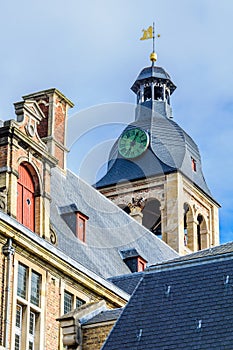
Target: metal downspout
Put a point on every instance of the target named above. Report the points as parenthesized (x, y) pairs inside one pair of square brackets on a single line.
[(7, 250)]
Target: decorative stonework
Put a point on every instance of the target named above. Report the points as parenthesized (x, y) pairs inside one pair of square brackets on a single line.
[(30, 127), (137, 205), (53, 235), (3, 201)]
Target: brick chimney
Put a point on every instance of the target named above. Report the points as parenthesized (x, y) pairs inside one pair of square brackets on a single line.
[(52, 128)]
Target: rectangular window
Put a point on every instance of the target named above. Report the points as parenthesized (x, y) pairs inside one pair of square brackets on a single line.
[(194, 164), (27, 315), (32, 324), (18, 327), (17, 342), (68, 302), (71, 302), (35, 288), (79, 302), (22, 281)]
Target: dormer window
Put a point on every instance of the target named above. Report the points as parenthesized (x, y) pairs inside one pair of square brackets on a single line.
[(133, 260), (194, 164), (75, 220)]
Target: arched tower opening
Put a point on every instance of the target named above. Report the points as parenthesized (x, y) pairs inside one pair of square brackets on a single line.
[(202, 233), (188, 227), (152, 216)]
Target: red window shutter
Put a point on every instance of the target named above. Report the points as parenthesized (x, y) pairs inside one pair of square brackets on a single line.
[(26, 199), (81, 221), (141, 264), (19, 202), (81, 228)]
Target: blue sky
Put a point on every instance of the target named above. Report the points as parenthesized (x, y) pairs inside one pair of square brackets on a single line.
[(91, 52)]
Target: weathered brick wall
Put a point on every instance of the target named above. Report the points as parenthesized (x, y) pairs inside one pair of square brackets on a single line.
[(60, 116), (3, 155), (42, 128), (52, 312), (59, 154), (94, 337)]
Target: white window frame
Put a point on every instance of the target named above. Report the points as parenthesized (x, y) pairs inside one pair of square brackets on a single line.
[(28, 307)]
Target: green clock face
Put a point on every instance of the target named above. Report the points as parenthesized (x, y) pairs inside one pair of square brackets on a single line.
[(133, 143)]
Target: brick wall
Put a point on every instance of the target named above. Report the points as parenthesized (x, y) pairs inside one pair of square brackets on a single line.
[(60, 117), (52, 312), (94, 337), (59, 154)]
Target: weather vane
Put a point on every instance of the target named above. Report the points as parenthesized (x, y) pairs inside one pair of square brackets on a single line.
[(150, 34)]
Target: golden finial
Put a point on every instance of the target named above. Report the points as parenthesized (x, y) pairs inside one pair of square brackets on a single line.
[(153, 57)]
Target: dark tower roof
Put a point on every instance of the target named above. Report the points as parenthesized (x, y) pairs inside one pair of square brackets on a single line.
[(171, 149), (149, 73)]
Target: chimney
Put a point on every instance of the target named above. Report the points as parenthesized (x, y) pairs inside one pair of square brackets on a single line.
[(52, 128)]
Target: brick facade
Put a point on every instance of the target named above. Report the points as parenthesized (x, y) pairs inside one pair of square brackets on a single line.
[(52, 128), (95, 336), (57, 276), (36, 141)]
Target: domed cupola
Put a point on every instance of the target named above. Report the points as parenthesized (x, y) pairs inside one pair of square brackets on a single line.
[(155, 173), (153, 88)]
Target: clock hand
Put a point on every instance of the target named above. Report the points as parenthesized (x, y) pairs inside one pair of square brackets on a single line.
[(135, 136)]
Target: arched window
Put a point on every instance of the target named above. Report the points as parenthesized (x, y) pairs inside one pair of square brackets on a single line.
[(26, 198), (188, 227), (202, 233), (147, 93), (152, 216)]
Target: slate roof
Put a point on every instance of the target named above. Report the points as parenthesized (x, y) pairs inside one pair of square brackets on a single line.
[(127, 283), (209, 253), (171, 149), (152, 72), (109, 229), (181, 307), (104, 316)]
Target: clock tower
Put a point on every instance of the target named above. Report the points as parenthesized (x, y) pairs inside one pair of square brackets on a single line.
[(155, 171)]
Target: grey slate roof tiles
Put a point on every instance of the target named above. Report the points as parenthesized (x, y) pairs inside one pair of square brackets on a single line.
[(209, 253), (128, 283), (180, 308), (104, 316), (108, 230), (171, 149)]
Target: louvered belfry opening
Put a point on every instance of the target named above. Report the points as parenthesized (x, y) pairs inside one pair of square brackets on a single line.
[(26, 198)]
